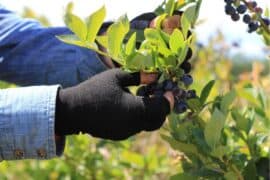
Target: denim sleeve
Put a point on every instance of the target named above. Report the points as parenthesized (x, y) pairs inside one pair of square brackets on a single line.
[(30, 54), (27, 123)]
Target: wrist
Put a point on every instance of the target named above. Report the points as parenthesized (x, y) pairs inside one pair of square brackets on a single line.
[(60, 114)]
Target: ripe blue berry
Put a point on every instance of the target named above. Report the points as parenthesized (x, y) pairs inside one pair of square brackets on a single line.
[(187, 79), (186, 66), (253, 26), (180, 107), (179, 94), (228, 1), (241, 9), (266, 21), (246, 18), (189, 55), (258, 10), (252, 4), (229, 9), (235, 17), (168, 85), (191, 94)]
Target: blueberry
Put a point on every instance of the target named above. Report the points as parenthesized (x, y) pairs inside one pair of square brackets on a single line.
[(189, 55), (253, 26), (191, 94), (258, 10), (235, 17), (187, 79), (246, 18), (175, 90), (168, 85), (186, 66), (266, 21), (253, 4), (180, 107), (228, 1), (229, 9), (179, 94), (241, 9)]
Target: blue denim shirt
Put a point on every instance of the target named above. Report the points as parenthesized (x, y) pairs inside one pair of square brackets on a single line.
[(31, 55)]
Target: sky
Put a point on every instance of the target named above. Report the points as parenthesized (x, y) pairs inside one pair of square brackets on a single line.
[(212, 12)]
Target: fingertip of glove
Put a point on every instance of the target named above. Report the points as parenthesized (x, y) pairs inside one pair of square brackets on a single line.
[(157, 108), (166, 105), (128, 79)]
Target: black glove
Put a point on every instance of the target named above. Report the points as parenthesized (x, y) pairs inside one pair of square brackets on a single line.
[(103, 107)]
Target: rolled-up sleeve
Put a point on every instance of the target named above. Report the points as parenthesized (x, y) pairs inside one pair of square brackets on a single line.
[(27, 118), (30, 54)]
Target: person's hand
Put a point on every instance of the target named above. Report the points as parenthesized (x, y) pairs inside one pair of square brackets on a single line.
[(103, 107), (168, 24)]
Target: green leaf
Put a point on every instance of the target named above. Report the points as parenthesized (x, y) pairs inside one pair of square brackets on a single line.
[(183, 53), (139, 35), (230, 175), (165, 37), (198, 7), (69, 7), (266, 12), (71, 39), (184, 50), (250, 172), (76, 25), (102, 40), (183, 176), (220, 151), (206, 91), (131, 44), (139, 61), (199, 140), (242, 123), (94, 22), (177, 41), (183, 147), (194, 104), (133, 158), (185, 24), (191, 14), (213, 128), (116, 34), (159, 19), (226, 101), (169, 7), (262, 98), (248, 94), (154, 37)]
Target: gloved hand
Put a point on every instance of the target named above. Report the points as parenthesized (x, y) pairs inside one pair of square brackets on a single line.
[(103, 107)]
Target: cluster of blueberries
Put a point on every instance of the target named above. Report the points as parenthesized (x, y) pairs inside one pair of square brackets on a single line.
[(235, 9), (180, 95)]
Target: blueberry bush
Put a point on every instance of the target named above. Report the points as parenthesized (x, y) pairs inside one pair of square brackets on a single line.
[(219, 128)]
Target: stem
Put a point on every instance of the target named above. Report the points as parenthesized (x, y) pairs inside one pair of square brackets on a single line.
[(108, 55), (234, 169)]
